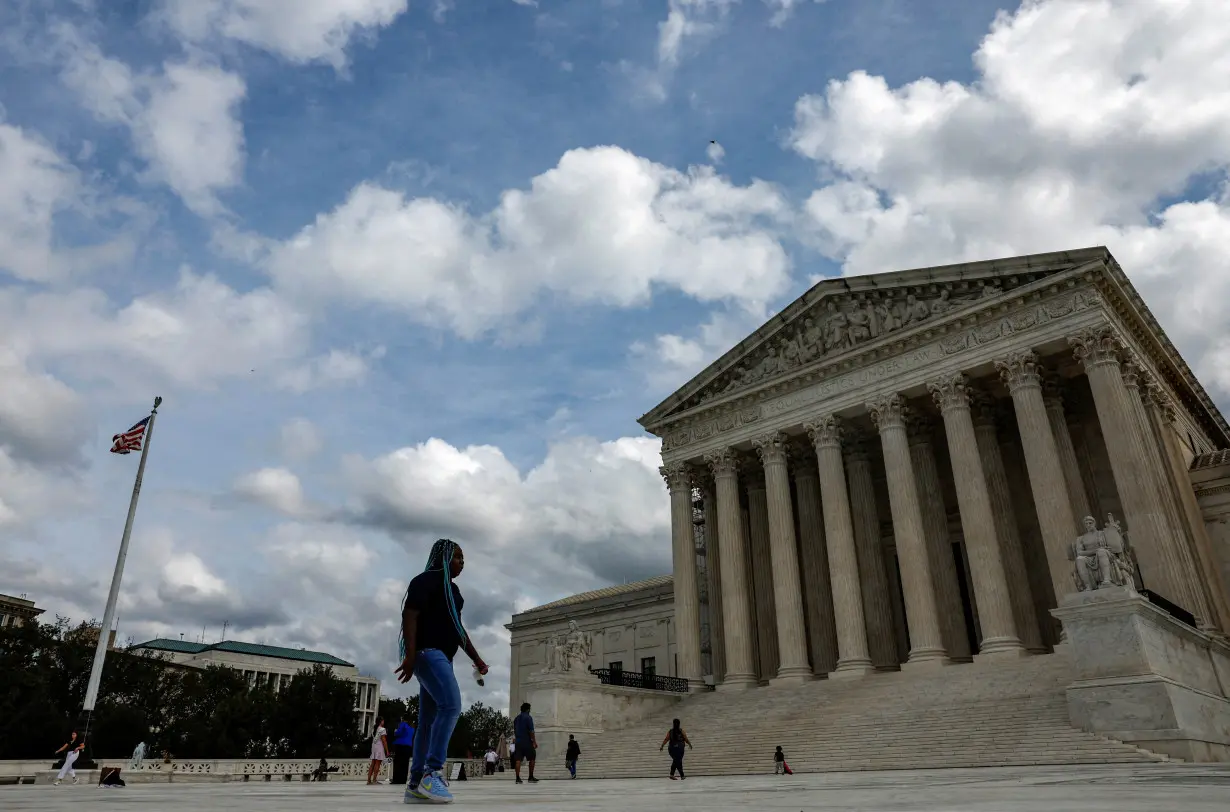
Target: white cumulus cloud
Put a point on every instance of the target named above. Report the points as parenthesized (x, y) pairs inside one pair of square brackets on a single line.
[(1087, 121), (604, 226)]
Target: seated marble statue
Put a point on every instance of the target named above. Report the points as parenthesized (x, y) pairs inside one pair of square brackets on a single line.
[(1101, 557)]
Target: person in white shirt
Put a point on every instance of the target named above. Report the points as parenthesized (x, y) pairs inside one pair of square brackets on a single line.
[(380, 751), (491, 758)]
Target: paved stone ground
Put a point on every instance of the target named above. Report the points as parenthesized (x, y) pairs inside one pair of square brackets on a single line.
[(1127, 788)]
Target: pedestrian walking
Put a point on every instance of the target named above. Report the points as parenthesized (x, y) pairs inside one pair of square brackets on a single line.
[(780, 767), (676, 739), (71, 750), (431, 633), (527, 742), (403, 749), (573, 753)]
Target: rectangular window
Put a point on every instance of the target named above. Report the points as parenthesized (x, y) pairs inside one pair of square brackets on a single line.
[(616, 665), (649, 666)]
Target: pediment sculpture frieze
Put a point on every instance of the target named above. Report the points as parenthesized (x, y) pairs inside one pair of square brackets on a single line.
[(842, 322)]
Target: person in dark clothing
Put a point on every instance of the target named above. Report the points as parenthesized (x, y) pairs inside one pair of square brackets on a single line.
[(527, 742), (574, 752), (780, 767), (431, 634), (676, 738), (403, 749)]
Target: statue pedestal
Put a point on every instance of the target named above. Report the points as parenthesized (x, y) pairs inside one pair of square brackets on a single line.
[(577, 703), (1144, 677)]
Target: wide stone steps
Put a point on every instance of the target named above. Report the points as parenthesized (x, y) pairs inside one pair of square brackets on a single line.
[(985, 714)]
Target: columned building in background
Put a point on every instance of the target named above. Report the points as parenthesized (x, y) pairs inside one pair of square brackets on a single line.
[(275, 666), (17, 611), (890, 473)]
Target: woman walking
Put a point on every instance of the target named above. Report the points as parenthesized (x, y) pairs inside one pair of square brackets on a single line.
[(71, 749), (431, 634), (380, 751), (676, 738)]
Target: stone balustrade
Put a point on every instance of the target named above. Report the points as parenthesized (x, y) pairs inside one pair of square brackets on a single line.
[(205, 770)]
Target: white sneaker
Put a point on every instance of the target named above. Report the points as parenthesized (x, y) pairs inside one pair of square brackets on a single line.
[(55, 783), (76, 780)]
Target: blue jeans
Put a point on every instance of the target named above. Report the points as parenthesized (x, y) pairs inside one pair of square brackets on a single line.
[(439, 709)]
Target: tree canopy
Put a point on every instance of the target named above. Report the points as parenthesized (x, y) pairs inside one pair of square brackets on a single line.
[(191, 713)]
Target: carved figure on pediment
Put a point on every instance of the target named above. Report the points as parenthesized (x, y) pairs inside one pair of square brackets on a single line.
[(836, 329), (860, 323), (812, 339), (739, 377), (771, 364), (1101, 557), (916, 310), (990, 289), (941, 305), (886, 317), (792, 353)]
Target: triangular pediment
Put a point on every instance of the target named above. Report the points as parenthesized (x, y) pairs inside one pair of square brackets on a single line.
[(846, 314)]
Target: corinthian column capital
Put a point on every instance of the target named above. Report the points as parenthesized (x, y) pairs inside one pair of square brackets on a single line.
[(678, 476), (950, 392), (1019, 370), (1095, 346), (723, 462), (888, 411), (773, 448), (825, 432)]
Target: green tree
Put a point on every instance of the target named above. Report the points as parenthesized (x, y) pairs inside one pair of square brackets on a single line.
[(314, 715), (478, 727)]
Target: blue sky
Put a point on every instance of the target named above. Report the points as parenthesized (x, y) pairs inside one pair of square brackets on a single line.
[(404, 270)]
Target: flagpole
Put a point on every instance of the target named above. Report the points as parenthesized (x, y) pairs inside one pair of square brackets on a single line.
[(104, 633)]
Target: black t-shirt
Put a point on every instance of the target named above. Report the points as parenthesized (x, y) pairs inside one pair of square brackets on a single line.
[(574, 750), (435, 627)]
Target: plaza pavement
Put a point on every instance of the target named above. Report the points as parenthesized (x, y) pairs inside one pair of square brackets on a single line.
[(1112, 788)]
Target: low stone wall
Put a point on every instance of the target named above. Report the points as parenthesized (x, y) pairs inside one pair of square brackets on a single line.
[(203, 771)]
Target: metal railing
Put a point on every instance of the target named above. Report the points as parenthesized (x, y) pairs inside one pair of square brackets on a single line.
[(635, 679)]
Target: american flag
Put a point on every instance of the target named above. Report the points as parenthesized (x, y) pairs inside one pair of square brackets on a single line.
[(130, 440)]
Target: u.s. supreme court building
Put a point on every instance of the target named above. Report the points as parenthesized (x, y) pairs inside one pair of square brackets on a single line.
[(891, 473)]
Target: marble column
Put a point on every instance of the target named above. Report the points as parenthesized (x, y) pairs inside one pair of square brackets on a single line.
[(999, 635), (713, 573), (678, 478), (736, 603), (1021, 372), (869, 542), (921, 432), (853, 659), (1162, 414), (926, 644), (1099, 350), (814, 559), (1027, 521), (793, 665), (1189, 595), (1007, 530), (1052, 399), (763, 601)]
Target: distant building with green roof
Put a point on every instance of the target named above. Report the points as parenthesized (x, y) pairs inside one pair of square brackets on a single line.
[(270, 665)]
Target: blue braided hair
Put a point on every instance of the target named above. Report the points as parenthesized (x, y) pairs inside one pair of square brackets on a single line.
[(440, 558)]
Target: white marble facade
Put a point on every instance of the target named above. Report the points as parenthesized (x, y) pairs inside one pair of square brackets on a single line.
[(891, 473), (630, 626)]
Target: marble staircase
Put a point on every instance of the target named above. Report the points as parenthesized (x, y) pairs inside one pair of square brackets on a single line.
[(969, 715)]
